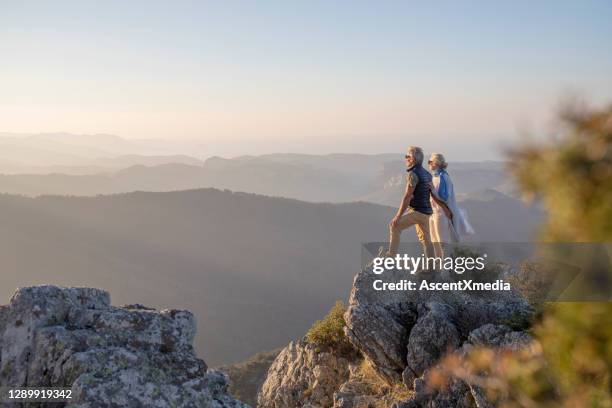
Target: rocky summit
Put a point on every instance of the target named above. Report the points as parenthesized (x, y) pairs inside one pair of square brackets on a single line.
[(397, 337), (130, 356)]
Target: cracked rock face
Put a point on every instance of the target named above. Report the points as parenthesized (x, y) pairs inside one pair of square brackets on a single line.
[(302, 376), (109, 356), (433, 335), (403, 333), (381, 332), (498, 336), (460, 393)]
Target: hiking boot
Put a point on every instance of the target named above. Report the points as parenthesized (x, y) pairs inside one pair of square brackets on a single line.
[(381, 254)]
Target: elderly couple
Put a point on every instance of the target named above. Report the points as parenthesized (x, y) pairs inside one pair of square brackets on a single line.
[(428, 204)]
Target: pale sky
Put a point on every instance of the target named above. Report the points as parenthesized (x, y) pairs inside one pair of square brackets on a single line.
[(300, 76)]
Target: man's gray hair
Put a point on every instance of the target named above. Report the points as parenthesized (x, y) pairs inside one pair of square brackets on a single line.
[(417, 153)]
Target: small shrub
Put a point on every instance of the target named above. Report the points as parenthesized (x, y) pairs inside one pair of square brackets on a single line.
[(328, 333)]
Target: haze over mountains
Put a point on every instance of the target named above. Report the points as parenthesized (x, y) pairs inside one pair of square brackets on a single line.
[(82, 154), (256, 269), (67, 164)]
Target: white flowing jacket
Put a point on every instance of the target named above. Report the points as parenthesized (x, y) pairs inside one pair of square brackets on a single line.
[(459, 226)]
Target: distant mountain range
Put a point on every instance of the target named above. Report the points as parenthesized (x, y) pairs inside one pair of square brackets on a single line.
[(81, 154), (318, 178), (256, 270), (68, 164), (379, 182)]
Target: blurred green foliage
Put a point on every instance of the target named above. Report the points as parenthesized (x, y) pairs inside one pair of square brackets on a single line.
[(570, 365), (576, 342), (572, 175)]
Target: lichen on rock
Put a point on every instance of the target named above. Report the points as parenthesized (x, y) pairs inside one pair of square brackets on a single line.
[(108, 356), (303, 376)]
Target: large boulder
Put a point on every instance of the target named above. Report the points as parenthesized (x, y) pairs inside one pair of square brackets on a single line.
[(303, 376), (108, 356), (404, 332), (379, 326), (460, 393), (380, 333), (401, 335), (433, 335)]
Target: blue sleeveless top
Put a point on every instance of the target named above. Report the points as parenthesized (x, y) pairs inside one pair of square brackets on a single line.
[(420, 197)]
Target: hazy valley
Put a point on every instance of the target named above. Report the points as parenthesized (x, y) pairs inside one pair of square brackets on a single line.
[(256, 269)]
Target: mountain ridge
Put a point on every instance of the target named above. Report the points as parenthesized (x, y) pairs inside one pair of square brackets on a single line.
[(185, 248)]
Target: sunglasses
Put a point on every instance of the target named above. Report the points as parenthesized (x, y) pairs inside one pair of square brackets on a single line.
[(407, 156)]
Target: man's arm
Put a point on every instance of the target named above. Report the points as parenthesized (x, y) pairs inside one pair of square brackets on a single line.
[(412, 182)]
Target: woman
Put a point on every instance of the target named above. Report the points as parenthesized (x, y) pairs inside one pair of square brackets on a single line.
[(442, 229)]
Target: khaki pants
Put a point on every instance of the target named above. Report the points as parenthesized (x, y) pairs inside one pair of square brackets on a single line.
[(421, 222), (440, 232)]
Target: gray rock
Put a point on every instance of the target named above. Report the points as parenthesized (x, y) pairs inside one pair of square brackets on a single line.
[(302, 376), (383, 325), (380, 332), (480, 399), (509, 309), (361, 390), (109, 356), (499, 336), (378, 325), (352, 394), (460, 393), (402, 334), (456, 396), (433, 335)]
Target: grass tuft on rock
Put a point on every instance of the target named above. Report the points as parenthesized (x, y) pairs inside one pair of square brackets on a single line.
[(327, 334)]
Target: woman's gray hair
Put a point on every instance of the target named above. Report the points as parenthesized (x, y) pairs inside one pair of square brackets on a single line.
[(439, 159), (416, 153)]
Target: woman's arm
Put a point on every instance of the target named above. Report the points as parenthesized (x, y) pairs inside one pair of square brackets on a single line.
[(440, 202)]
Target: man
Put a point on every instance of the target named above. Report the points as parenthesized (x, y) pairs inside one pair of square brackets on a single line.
[(416, 201)]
